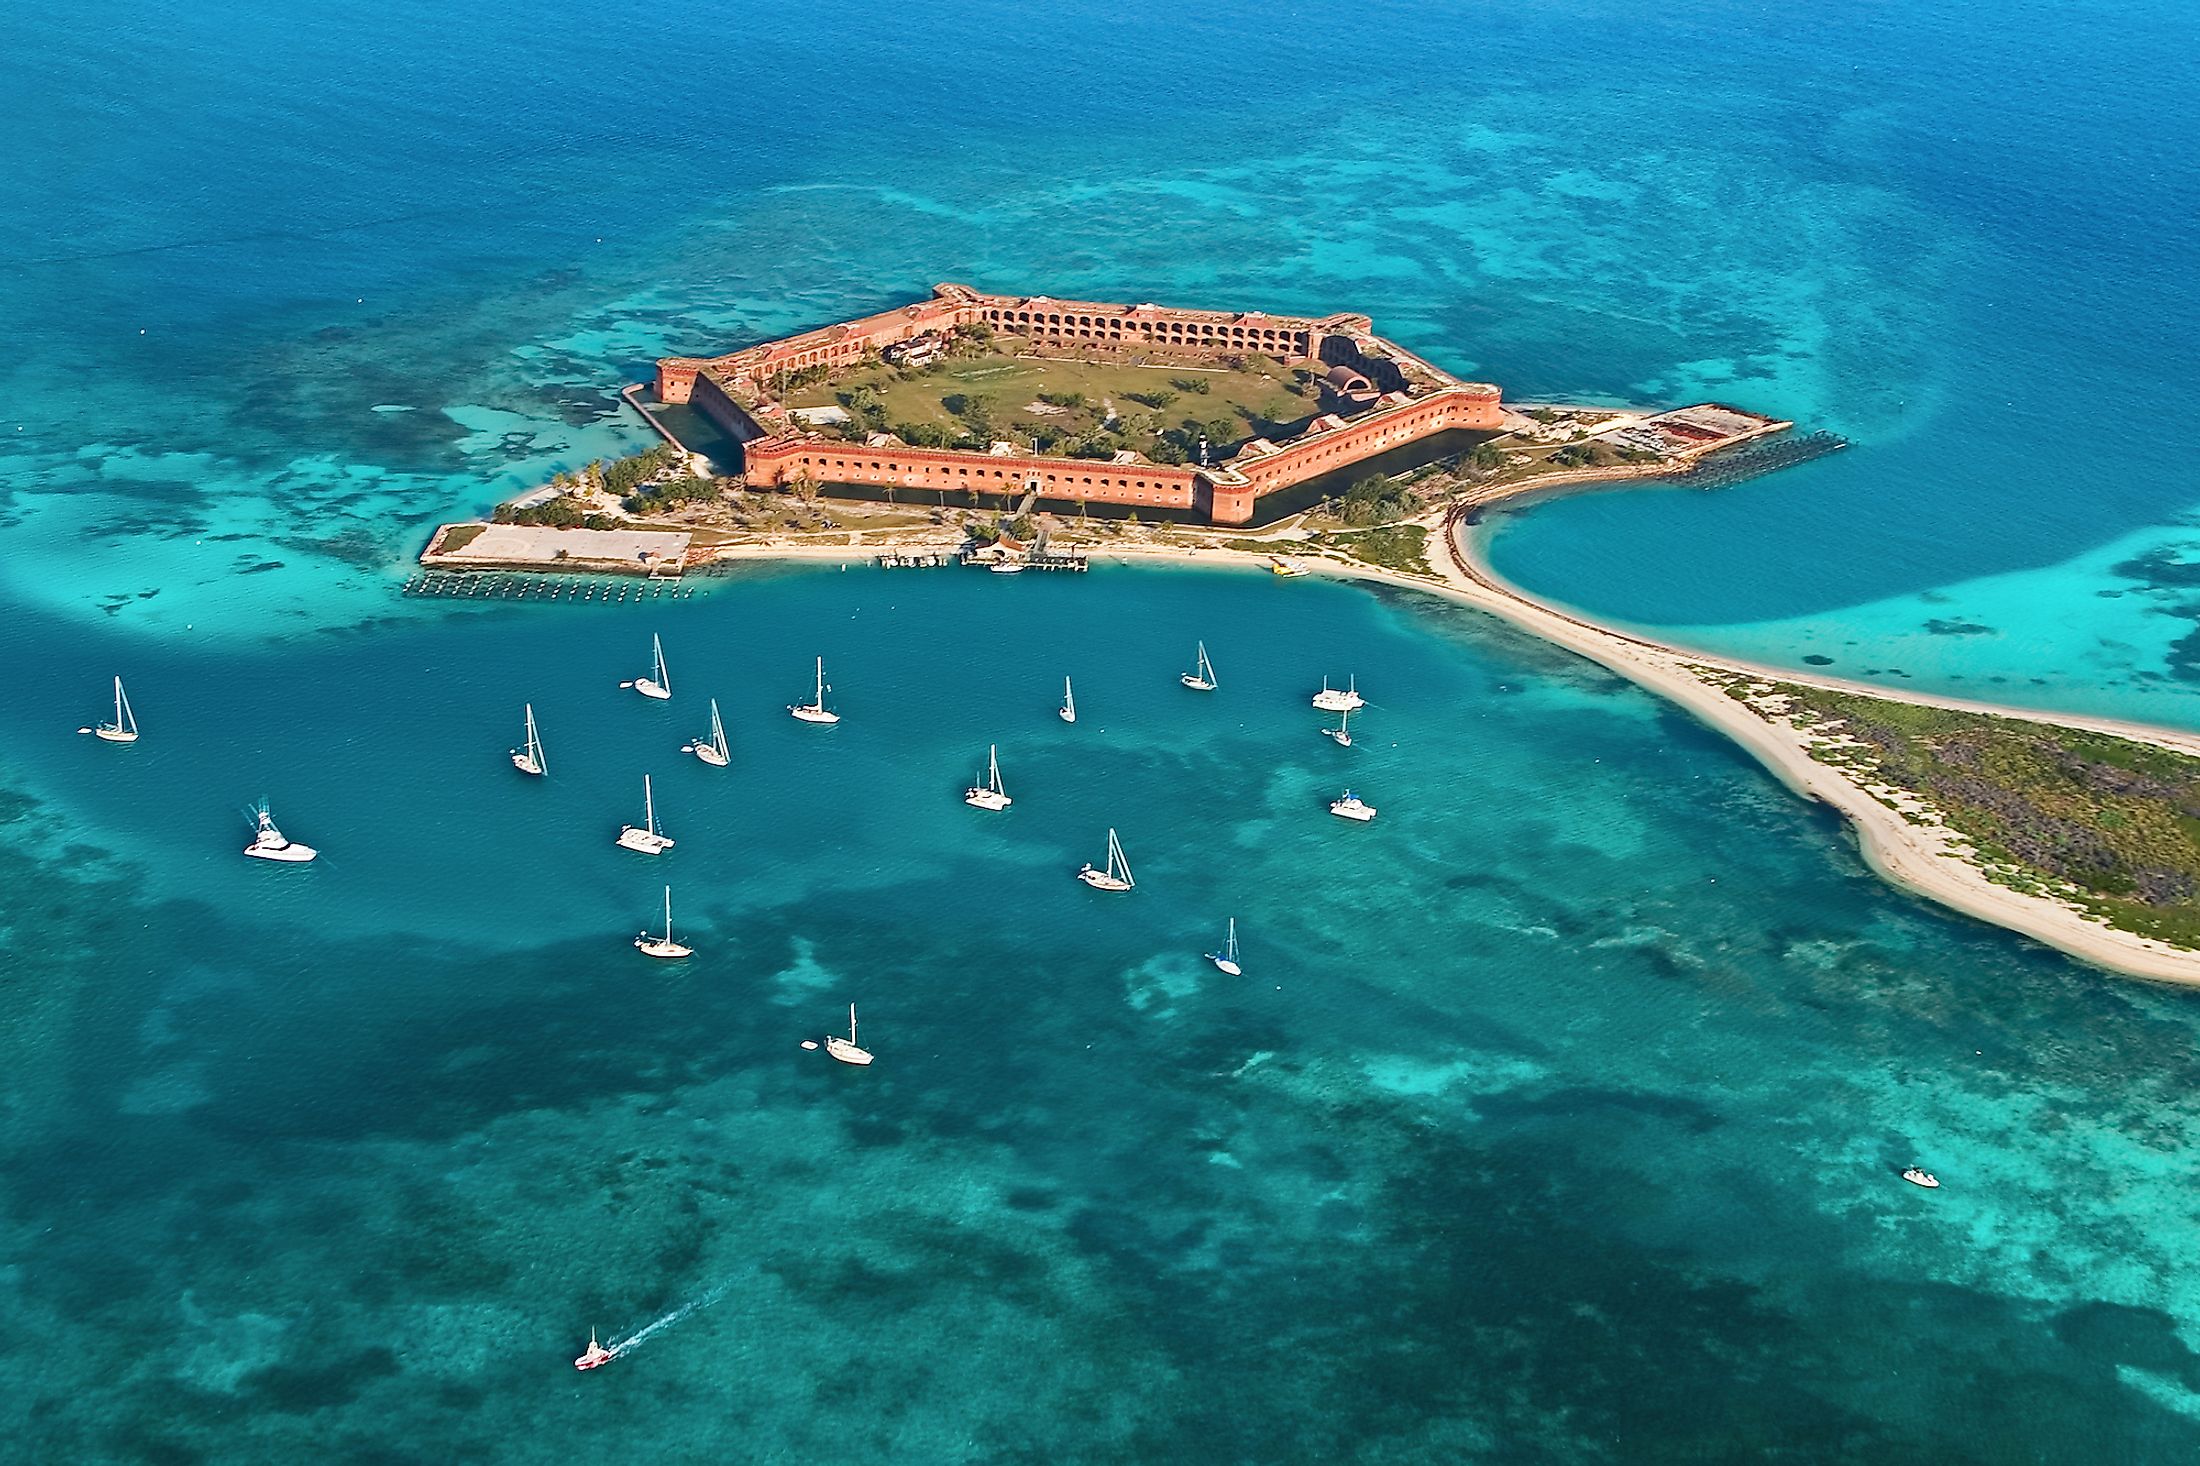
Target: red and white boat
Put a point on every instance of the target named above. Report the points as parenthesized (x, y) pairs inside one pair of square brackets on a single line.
[(595, 1356)]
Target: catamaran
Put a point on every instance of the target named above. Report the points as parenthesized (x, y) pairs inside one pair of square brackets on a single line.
[(711, 750), (846, 1049), (595, 1356), (268, 842), (529, 760), (1227, 958), (1117, 877), (124, 728), (1342, 733), (1069, 703), (1352, 807), (1331, 700), (645, 839), (814, 711), (1201, 679), (663, 946), (990, 794), (658, 683)]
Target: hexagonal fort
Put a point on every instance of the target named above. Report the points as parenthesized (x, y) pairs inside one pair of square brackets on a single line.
[(1142, 406)]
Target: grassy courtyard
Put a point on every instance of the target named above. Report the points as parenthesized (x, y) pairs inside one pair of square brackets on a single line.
[(1159, 411)]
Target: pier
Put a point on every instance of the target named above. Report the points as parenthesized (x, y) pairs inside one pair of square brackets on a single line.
[(505, 585)]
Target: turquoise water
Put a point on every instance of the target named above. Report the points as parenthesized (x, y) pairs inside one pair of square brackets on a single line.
[(1557, 1115)]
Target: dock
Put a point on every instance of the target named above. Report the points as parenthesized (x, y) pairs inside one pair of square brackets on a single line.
[(511, 585)]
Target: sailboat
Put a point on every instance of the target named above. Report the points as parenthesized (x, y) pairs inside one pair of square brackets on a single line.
[(645, 839), (1069, 703), (268, 842), (846, 1049), (814, 711), (1226, 959), (713, 750), (1352, 807), (1342, 733), (990, 794), (1117, 877), (1202, 679), (530, 760), (658, 683), (1330, 700), (663, 946), (124, 728)]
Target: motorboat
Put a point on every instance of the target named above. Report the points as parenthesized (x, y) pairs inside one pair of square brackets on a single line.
[(815, 711), (1226, 960), (663, 946), (1919, 1176), (124, 728), (846, 1049), (1352, 807), (595, 1356), (1117, 876), (1202, 677), (990, 794), (1007, 567), (658, 683), (268, 842), (1345, 700), (530, 760), (1341, 735), (646, 838), (712, 750)]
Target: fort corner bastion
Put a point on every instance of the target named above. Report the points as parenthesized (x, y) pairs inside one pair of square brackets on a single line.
[(1373, 397)]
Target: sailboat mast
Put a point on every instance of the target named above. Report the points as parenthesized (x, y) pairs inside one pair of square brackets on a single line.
[(649, 806), (852, 1025), (821, 691), (668, 913)]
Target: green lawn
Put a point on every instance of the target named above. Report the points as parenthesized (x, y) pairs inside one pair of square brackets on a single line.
[(1008, 385)]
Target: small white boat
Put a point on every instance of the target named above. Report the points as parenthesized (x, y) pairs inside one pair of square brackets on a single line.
[(646, 838), (663, 946), (846, 1049), (530, 760), (1069, 703), (268, 842), (815, 711), (1227, 958), (658, 683), (1919, 1176), (1201, 678), (1117, 877), (712, 750), (990, 794), (1007, 567), (1352, 807), (1330, 700), (124, 728), (1341, 735)]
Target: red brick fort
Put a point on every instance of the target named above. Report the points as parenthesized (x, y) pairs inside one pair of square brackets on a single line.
[(1388, 396)]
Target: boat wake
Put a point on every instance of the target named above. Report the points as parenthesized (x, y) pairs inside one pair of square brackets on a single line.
[(648, 1331)]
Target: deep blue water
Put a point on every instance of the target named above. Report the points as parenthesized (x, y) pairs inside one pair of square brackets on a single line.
[(1557, 1115)]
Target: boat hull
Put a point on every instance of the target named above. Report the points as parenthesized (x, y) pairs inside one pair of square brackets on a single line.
[(643, 842), (709, 755), (847, 1052), (1067, 715), (114, 735), (1360, 813), (1195, 682), (666, 951), (526, 765), (648, 688), (290, 854), (813, 715), (1100, 880), (1339, 702), (1224, 964), (986, 799)]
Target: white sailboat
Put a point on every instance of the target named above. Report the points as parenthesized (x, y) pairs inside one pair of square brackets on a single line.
[(124, 728), (1330, 700), (663, 946), (530, 760), (990, 794), (645, 839), (658, 683), (846, 1049), (814, 711), (1352, 807), (1117, 877), (268, 842), (1342, 733), (712, 750), (1227, 958), (1202, 678), (1069, 703)]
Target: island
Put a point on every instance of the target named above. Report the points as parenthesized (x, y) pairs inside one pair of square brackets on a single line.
[(1015, 433)]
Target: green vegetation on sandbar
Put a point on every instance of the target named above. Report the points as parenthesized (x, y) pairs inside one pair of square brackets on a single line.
[(1396, 547), (459, 536), (2107, 822)]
